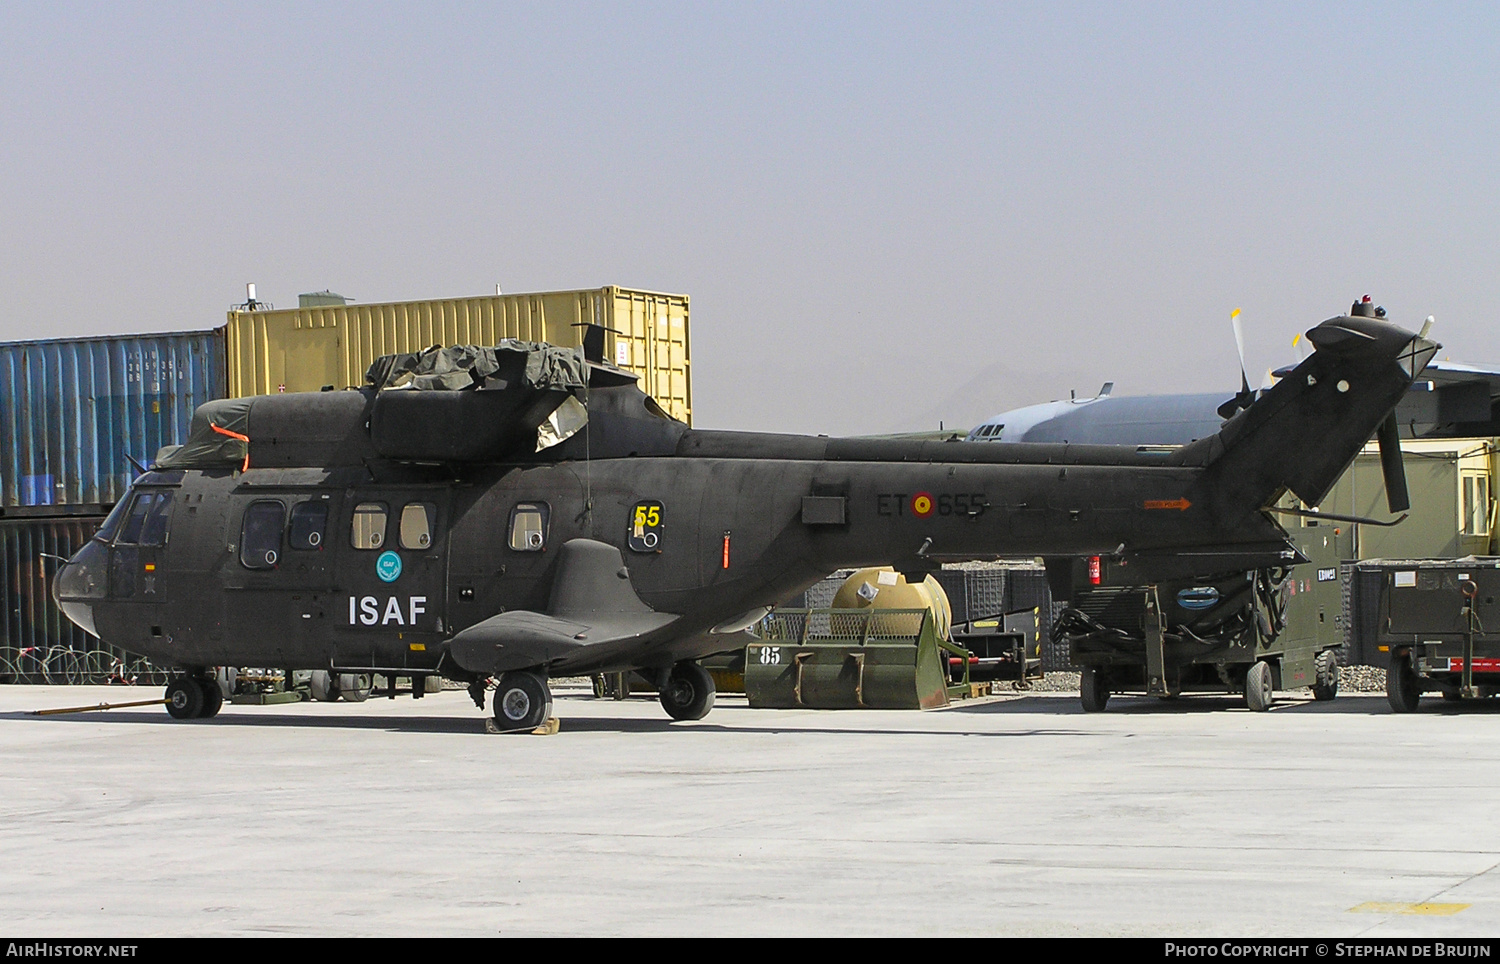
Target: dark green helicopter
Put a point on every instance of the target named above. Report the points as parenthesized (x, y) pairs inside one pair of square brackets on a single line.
[(525, 511)]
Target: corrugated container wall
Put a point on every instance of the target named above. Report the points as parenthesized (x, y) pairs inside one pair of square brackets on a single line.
[(305, 349), (32, 619), (74, 409)]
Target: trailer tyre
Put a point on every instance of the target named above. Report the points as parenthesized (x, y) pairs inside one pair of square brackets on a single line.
[(1258, 693), (322, 687), (1093, 689), (1326, 676), (1403, 690)]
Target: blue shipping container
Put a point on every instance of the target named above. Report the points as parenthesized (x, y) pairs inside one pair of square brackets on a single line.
[(72, 410)]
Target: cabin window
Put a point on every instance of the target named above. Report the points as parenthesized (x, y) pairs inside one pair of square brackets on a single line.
[(309, 521), (260, 536), (417, 522), (368, 529), (528, 526)]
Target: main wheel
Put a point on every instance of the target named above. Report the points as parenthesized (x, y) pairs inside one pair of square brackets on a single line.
[(213, 698), (689, 693), (184, 698), (522, 701), (1403, 690), (1093, 689), (1258, 687), (1326, 676)]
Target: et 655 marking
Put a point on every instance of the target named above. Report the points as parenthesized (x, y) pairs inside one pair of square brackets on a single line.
[(924, 504)]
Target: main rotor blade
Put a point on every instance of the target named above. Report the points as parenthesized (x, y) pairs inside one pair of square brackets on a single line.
[(1239, 347), (1392, 469)]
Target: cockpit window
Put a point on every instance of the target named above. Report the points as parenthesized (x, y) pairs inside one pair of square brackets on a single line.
[(130, 532), (368, 529), (154, 530), (260, 536), (417, 521), (145, 523), (111, 524), (309, 520), (528, 526)]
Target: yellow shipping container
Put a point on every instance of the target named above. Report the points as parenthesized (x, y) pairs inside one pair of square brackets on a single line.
[(304, 349)]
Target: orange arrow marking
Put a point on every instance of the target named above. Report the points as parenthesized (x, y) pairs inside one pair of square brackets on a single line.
[(1181, 504)]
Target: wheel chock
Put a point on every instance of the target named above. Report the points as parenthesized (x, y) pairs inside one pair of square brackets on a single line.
[(549, 727)]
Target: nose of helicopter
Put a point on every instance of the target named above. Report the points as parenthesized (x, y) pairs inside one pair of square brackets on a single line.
[(80, 583)]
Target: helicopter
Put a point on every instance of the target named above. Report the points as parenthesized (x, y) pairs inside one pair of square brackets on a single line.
[(522, 511)]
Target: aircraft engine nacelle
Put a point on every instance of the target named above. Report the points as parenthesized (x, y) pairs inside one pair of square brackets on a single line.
[(472, 426)]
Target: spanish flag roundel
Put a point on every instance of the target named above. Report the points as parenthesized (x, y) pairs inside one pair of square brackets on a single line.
[(921, 505)]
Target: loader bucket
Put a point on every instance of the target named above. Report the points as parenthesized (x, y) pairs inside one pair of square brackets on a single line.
[(847, 659)]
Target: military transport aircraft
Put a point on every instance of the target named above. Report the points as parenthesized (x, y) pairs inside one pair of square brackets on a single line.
[(525, 511), (1450, 400)]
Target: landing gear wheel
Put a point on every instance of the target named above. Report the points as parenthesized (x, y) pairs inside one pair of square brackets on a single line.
[(213, 698), (689, 693), (1403, 690), (1326, 676), (1258, 687), (184, 698), (1093, 689), (522, 701)]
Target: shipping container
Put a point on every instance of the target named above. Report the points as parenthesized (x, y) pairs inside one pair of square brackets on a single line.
[(38, 640), (308, 348), (1452, 508), (74, 412)]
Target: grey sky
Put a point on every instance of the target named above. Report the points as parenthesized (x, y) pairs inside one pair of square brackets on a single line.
[(885, 214)]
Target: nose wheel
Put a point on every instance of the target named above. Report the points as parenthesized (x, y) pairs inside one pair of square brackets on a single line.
[(193, 698)]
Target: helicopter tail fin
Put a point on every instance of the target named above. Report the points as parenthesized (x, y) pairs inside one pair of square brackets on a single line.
[(1306, 430)]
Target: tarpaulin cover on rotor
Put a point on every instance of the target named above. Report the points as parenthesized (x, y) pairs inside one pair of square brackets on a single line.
[(511, 363), (468, 403), (205, 447)]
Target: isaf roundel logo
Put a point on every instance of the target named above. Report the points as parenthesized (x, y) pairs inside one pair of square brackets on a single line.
[(921, 505), (388, 566)]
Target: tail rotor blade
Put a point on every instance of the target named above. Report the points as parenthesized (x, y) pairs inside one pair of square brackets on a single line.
[(1397, 499)]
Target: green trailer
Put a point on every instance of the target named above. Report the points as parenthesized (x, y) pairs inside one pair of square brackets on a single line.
[(853, 659)]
